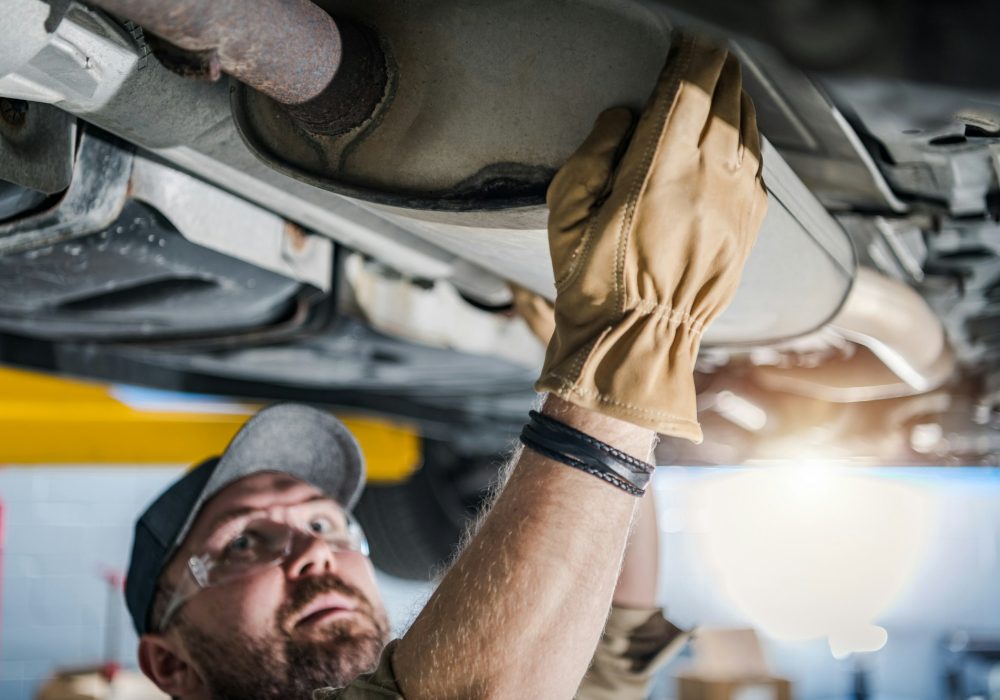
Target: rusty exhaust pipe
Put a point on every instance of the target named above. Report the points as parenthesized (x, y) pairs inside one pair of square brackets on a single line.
[(329, 75)]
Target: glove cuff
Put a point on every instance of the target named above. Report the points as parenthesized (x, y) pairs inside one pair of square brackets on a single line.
[(640, 370)]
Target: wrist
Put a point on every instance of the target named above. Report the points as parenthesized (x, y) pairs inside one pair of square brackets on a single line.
[(631, 439)]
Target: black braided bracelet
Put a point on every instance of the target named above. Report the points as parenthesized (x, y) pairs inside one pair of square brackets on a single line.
[(637, 464), (566, 459), (560, 442)]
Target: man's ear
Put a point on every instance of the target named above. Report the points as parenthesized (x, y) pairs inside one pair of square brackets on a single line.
[(164, 663)]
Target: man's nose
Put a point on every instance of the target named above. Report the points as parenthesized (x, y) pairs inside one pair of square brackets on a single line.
[(310, 556)]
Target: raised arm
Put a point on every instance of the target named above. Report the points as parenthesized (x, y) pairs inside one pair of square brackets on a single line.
[(636, 587), (524, 605), (648, 231)]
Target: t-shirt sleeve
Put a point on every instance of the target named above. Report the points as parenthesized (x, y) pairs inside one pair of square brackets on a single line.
[(380, 684), (635, 645)]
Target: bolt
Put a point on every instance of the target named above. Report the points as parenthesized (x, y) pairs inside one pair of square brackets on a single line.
[(14, 112)]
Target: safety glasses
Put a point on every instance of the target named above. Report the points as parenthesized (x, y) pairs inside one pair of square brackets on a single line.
[(259, 544)]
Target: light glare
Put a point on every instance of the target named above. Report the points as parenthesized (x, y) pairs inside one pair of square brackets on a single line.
[(813, 551)]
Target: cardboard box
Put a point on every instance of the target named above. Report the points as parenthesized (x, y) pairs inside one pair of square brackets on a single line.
[(699, 688), (729, 664)]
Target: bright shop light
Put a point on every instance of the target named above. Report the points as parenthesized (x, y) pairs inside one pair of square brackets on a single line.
[(813, 551)]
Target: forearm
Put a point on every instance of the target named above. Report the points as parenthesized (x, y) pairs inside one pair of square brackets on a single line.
[(637, 582), (524, 605)]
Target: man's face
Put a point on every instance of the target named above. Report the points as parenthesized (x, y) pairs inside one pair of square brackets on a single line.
[(314, 620)]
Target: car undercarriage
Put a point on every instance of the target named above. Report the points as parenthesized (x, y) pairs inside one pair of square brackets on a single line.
[(178, 210)]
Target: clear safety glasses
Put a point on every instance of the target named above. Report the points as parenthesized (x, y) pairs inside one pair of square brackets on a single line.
[(262, 543)]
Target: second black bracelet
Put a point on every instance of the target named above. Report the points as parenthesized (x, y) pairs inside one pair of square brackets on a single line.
[(562, 443)]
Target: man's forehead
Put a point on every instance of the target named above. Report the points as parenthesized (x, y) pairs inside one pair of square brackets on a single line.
[(261, 485), (258, 491)]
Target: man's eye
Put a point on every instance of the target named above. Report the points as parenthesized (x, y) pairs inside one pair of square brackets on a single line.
[(242, 544), (321, 526)]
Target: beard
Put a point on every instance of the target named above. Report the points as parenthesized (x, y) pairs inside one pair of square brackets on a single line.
[(283, 666)]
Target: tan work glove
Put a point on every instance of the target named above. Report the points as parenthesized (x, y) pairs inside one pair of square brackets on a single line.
[(648, 250)]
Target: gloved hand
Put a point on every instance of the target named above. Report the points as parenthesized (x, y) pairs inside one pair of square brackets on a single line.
[(648, 250)]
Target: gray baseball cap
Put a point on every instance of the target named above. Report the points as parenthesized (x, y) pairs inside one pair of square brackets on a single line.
[(294, 439)]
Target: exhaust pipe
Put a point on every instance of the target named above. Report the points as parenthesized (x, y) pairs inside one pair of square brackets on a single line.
[(906, 351), (896, 324), (329, 75)]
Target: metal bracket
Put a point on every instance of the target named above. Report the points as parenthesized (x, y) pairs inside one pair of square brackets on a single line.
[(216, 219), (92, 202)]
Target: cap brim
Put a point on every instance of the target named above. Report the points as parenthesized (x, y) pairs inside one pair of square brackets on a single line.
[(294, 439)]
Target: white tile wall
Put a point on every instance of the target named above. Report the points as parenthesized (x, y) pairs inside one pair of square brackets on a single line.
[(64, 526)]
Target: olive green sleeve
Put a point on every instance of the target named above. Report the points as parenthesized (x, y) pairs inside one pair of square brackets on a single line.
[(635, 645), (380, 684)]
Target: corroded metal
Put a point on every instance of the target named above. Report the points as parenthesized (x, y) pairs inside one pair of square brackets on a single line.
[(287, 49), (329, 78), (356, 88)]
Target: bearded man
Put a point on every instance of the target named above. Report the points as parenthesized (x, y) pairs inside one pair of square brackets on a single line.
[(249, 577)]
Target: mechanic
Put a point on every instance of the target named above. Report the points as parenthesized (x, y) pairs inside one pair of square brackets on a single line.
[(248, 576)]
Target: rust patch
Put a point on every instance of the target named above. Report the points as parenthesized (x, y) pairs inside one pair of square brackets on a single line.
[(199, 65), (329, 75), (295, 237)]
